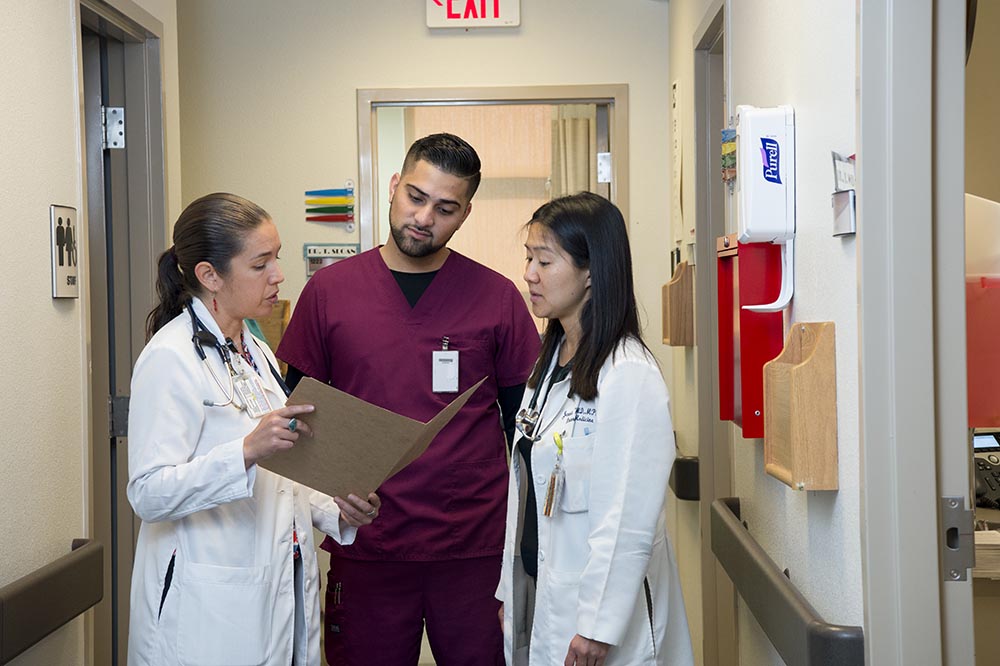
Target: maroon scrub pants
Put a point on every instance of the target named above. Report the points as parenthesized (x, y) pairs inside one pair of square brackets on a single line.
[(375, 612)]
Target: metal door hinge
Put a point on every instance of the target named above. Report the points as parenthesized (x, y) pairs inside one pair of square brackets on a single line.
[(958, 545), (113, 124), (603, 167), (118, 415)]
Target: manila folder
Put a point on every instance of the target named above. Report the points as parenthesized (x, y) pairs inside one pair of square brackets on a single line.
[(355, 445)]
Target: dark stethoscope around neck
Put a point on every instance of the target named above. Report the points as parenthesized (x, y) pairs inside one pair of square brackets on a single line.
[(527, 418), (203, 336)]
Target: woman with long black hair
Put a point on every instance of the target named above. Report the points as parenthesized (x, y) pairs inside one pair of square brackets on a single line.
[(589, 576)]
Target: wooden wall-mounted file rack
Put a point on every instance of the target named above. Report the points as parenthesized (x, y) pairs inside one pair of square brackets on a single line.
[(678, 307), (800, 409)]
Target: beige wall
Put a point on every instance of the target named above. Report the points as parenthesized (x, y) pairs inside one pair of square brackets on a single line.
[(268, 96), (778, 56), (43, 479), (43, 451), (982, 99), (166, 12)]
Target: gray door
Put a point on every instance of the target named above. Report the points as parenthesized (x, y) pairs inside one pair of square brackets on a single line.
[(719, 630), (110, 335)]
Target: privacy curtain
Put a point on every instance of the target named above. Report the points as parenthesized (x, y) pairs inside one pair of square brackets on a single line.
[(574, 149)]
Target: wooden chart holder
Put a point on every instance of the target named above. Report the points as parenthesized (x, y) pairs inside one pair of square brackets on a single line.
[(800, 413), (273, 327), (678, 307)]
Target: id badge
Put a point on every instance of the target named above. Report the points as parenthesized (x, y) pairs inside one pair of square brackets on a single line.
[(444, 371), (251, 392), (556, 480)]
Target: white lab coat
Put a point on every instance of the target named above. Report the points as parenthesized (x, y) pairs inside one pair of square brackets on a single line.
[(606, 569), (232, 593)]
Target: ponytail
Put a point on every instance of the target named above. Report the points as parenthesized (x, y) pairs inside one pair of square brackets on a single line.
[(211, 229), (171, 292)]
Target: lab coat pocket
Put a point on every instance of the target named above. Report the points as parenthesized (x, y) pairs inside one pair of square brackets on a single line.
[(225, 616), (577, 455), (556, 613)]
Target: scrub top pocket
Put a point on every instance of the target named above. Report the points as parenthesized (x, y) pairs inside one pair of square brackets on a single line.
[(232, 597), (577, 456)]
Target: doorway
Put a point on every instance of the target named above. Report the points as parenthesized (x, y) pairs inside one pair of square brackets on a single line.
[(712, 114), (124, 176), (389, 119), (531, 153)]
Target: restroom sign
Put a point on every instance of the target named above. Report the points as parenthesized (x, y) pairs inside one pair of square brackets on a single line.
[(473, 13)]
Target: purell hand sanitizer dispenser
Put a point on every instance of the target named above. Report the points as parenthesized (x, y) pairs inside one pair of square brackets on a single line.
[(765, 187)]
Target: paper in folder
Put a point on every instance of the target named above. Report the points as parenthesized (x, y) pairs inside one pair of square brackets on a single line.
[(355, 445)]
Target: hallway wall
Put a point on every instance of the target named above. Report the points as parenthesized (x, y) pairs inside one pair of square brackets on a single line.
[(803, 54), (43, 479), (268, 98)]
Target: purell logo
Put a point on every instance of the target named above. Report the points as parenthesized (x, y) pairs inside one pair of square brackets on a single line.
[(771, 157)]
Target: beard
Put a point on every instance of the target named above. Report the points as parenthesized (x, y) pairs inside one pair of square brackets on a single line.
[(412, 247)]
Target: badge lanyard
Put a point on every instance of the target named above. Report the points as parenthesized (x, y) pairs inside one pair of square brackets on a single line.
[(527, 418), (556, 479), (527, 423), (245, 385)]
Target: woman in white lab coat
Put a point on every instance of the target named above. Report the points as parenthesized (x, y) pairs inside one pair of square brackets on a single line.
[(225, 568), (589, 576)]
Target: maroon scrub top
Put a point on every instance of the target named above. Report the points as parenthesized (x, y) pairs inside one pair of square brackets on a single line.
[(354, 329)]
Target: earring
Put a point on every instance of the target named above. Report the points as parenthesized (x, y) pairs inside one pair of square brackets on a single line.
[(215, 304)]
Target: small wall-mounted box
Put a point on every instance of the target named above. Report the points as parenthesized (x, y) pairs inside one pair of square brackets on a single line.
[(844, 219)]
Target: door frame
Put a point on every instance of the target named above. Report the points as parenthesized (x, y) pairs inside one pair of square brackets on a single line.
[(719, 622), (370, 99), (954, 450), (914, 438), (137, 36)]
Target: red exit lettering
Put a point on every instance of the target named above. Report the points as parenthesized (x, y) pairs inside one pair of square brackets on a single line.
[(470, 9)]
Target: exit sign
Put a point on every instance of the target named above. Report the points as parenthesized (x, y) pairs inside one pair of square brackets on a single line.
[(473, 13)]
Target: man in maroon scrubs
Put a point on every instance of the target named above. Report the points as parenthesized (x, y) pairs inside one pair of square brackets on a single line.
[(370, 325)]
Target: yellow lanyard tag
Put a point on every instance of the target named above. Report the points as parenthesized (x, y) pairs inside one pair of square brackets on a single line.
[(554, 491)]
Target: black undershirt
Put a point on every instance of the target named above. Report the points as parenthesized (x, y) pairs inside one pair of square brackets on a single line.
[(413, 286), (529, 535)]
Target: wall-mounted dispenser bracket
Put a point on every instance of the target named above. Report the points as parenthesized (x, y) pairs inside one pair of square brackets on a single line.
[(747, 273)]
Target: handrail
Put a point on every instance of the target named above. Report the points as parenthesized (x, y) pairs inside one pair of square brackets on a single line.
[(792, 625), (35, 605)]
